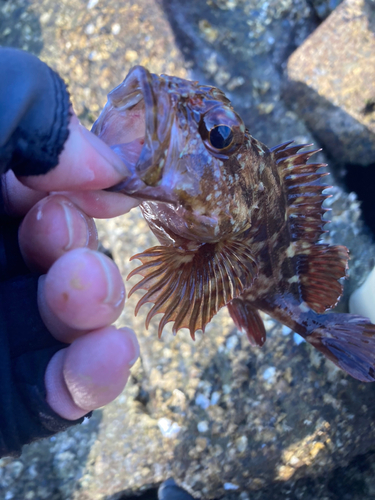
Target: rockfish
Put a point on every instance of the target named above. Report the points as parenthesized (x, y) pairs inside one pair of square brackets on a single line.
[(239, 224)]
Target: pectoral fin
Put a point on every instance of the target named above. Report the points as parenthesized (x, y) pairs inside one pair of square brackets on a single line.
[(190, 286)]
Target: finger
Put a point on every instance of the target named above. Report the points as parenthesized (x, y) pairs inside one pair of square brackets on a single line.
[(85, 163), (18, 199), (82, 291), (102, 204), (53, 227), (91, 372)]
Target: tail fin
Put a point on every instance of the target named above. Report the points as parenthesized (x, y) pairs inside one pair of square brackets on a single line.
[(348, 341)]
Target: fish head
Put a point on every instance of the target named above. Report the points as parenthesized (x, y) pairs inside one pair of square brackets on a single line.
[(180, 142)]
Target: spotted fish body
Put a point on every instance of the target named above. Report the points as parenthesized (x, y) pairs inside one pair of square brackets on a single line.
[(239, 224)]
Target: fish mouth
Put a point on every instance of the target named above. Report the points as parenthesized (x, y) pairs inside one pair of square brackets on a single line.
[(136, 123)]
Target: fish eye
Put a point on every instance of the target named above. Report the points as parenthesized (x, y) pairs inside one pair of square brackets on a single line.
[(221, 136), (222, 131)]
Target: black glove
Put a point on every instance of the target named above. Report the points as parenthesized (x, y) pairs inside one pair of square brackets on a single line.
[(34, 118)]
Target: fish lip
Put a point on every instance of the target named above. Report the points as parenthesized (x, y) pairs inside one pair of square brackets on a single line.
[(140, 79), (143, 177)]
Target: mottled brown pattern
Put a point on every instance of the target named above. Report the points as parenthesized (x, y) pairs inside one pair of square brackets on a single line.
[(239, 224)]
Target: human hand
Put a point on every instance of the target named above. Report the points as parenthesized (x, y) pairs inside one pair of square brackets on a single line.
[(81, 292)]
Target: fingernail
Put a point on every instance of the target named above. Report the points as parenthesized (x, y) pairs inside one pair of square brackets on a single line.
[(104, 151), (114, 296), (96, 367), (73, 237), (134, 341)]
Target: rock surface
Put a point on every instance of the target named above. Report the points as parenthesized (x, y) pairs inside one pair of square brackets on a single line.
[(323, 8), (331, 82), (224, 419), (241, 47)]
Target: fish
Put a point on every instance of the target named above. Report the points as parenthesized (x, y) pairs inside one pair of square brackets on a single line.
[(239, 224)]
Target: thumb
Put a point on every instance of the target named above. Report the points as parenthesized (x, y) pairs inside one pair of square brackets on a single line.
[(85, 163)]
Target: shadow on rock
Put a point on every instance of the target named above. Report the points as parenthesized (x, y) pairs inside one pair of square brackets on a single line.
[(344, 139), (271, 421), (19, 26), (241, 47), (51, 467), (362, 181)]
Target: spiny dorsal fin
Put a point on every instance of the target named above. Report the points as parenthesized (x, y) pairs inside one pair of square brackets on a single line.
[(190, 286), (319, 266), (280, 147), (304, 191)]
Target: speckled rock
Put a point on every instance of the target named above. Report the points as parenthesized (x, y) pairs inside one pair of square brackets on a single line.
[(224, 419), (241, 47), (49, 469), (93, 44), (331, 82)]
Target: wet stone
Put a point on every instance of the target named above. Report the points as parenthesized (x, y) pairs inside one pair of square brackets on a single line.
[(331, 82), (226, 420), (241, 46)]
